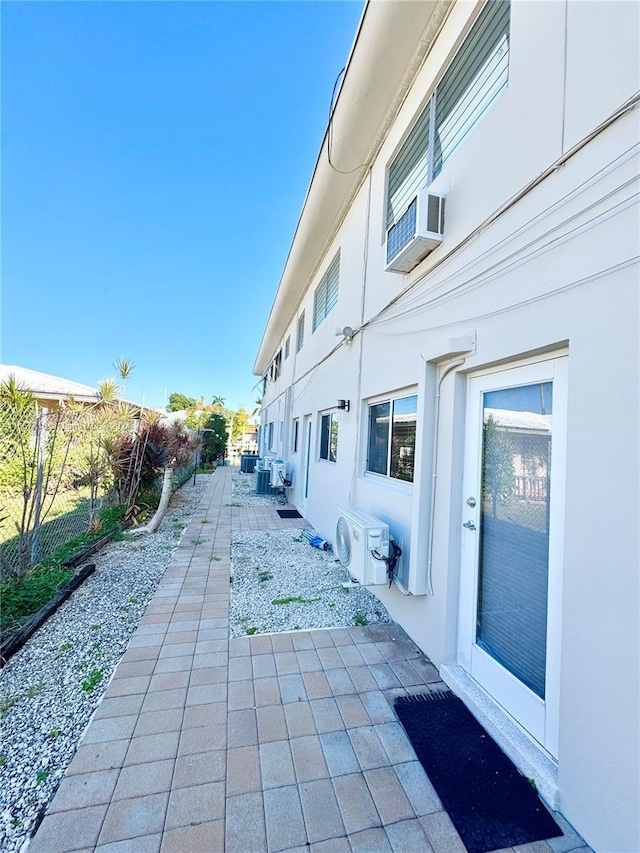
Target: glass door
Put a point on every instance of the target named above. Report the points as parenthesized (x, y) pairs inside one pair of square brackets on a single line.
[(306, 456), (512, 533)]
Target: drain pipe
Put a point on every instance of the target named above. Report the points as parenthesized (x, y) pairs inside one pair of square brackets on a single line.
[(436, 430)]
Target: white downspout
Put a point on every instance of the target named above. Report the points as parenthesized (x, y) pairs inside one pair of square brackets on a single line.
[(436, 430)]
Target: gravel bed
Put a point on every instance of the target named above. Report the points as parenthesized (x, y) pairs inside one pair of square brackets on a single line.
[(272, 566), (244, 491), (281, 583), (52, 685)]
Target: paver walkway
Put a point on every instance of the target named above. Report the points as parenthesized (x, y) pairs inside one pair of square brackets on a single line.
[(281, 742)]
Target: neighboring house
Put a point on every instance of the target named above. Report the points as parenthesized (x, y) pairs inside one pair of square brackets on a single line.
[(488, 391), (49, 391), (52, 392)]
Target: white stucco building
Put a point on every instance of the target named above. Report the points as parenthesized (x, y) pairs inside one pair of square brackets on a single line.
[(492, 385)]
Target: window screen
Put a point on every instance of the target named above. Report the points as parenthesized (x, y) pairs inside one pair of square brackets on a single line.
[(409, 169), (479, 70), (326, 293)]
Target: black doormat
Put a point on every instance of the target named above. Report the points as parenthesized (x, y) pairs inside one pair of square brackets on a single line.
[(491, 804), (289, 513)]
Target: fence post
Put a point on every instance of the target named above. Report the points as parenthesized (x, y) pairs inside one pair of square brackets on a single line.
[(41, 440)]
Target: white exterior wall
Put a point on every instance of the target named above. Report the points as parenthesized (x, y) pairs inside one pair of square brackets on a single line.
[(557, 278)]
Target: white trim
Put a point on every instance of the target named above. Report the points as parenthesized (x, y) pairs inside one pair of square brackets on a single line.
[(539, 717)]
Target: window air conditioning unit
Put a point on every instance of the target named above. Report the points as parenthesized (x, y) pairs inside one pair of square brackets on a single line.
[(359, 537), (418, 231)]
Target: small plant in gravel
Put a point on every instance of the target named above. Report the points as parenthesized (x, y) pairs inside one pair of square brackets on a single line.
[(252, 631), (360, 619), (34, 690), (64, 648), (96, 626), (264, 576), (331, 604), (295, 599), (54, 733), (133, 600), (7, 703), (42, 776), (3, 760), (89, 684)]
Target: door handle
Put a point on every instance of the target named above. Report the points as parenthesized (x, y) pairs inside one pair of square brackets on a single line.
[(469, 525)]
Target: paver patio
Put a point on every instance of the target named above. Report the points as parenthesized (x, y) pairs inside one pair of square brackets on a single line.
[(281, 742)]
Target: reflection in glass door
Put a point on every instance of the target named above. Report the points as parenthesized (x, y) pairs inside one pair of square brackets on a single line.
[(514, 530)]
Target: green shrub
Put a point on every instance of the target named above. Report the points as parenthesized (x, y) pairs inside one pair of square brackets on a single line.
[(22, 598)]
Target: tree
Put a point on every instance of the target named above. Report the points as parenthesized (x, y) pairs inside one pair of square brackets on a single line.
[(167, 448), (240, 422), (180, 403), (498, 476), (212, 428)]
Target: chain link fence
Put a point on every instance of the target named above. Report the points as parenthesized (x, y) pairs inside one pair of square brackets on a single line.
[(57, 474), (53, 484)]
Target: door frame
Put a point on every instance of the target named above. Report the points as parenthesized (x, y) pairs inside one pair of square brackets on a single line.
[(305, 461), (537, 717)]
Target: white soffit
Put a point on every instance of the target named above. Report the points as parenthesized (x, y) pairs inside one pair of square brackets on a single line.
[(393, 39)]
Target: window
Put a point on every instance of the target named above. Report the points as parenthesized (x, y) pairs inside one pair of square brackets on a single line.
[(296, 429), (287, 347), (392, 438), (270, 436), (326, 293), (480, 69), (477, 73), (329, 437), (300, 338), (276, 367)]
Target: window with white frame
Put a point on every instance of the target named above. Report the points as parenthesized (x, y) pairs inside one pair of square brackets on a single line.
[(287, 346), (296, 431), (277, 365), (326, 293), (477, 73), (391, 442), (270, 436), (329, 436), (300, 336)]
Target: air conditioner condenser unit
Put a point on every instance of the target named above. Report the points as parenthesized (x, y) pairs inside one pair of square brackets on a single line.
[(362, 546), (417, 232)]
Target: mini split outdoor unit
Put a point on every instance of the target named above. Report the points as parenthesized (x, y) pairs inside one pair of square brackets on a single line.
[(278, 473), (358, 537), (418, 231)]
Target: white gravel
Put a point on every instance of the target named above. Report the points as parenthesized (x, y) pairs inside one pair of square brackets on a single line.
[(274, 566), (52, 685)]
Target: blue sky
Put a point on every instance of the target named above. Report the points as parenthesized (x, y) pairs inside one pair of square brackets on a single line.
[(155, 158)]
